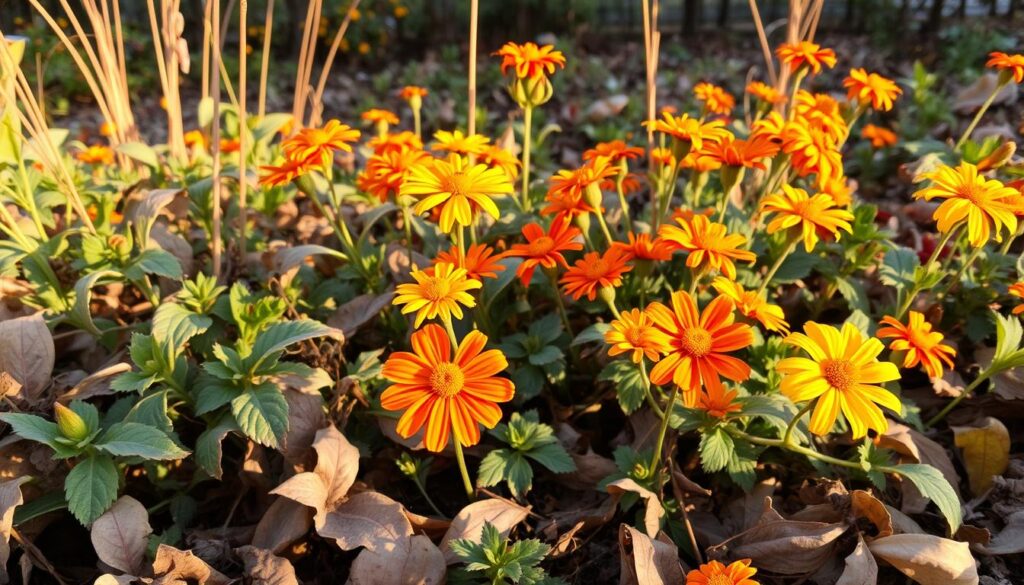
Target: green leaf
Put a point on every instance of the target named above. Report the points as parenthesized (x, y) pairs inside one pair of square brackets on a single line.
[(213, 393), (529, 381), (853, 291), (208, 446), (174, 324), (131, 439), (32, 428), (262, 414), (520, 475), (493, 286), (1008, 336), (269, 125), (547, 354), (91, 487), (594, 333), (279, 336), (797, 266), (629, 384), (492, 468), (141, 152), (898, 267), (158, 262), (716, 450), (554, 457), (933, 485), (81, 313), (547, 328), (151, 411)]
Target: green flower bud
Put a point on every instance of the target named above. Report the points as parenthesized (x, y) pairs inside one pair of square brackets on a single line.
[(531, 92), (70, 424)]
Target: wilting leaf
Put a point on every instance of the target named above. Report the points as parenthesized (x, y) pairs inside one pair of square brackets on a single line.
[(358, 312), (469, 522), (326, 486), (182, 567), (26, 353), (120, 536), (870, 508), (647, 561), (10, 499), (370, 520), (1009, 541), (986, 452), (861, 568), (264, 568), (284, 522), (927, 559), (653, 510), (788, 547), (418, 562)]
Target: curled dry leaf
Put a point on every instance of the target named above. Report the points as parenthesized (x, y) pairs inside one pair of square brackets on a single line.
[(287, 260), (861, 568), (305, 418), (653, 510), (927, 559), (971, 98), (181, 567), (419, 562), (262, 567), (284, 522), (914, 447), (986, 451), (120, 536), (10, 499), (469, 522), (788, 547), (326, 486), (1010, 540), (647, 561), (370, 520), (358, 312), (867, 506), (95, 384), (27, 354)]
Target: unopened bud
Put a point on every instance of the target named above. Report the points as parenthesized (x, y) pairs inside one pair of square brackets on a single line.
[(70, 424), (531, 91)]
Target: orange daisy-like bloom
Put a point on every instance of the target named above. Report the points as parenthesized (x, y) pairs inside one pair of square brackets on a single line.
[(459, 190), (614, 150), (698, 344), (501, 158), (871, 88), (840, 189), (566, 194), (96, 154), (663, 157), (821, 112), (385, 173), (816, 217), (921, 344), (752, 305), (644, 247), (479, 261), (595, 271), (320, 144), (1010, 65), (686, 129), (568, 204), (379, 115), (878, 136), (771, 127), (796, 55), (530, 61), (812, 151), (108, 129), (196, 139), (715, 573), (985, 204), (545, 248), (229, 145), (710, 247), (1017, 290), (286, 172), (458, 143), (741, 153), (699, 162), (765, 92), (842, 372), (396, 142), (634, 333), (437, 293), (450, 395), (412, 91), (716, 100), (718, 402), (630, 184)]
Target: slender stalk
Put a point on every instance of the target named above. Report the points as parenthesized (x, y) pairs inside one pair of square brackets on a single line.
[(216, 245), (960, 272), (318, 95), (474, 9), (466, 483), (796, 419), (953, 403), (793, 241), (648, 395), (527, 124), (912, 293), (552, 275), (663, 430), (268, 32), (981, 112), (604, 228), (423, 492), (627, 221), (243, 126)]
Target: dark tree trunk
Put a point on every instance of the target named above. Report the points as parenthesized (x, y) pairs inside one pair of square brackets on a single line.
[(934, 18), (961, 10), (691, 16), (723, 13)]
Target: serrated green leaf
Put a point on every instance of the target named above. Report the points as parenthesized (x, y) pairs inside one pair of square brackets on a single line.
[(174, 324), (32, 427), (716, 450), (898, 267), (262, 414), (279, 336), (519, 475), (594, 333), (160, 263), (208, 445), (546, 355), (933, 485), (151, 411), (131, 439), (552, 456), (492, 468), (91, 487), (629, 384)]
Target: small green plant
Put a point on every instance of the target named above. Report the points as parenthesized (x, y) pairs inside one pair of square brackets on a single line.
[(527, 439), (496, 561)]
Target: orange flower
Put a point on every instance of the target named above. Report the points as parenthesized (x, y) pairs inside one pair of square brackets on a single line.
[(871, 88), (568, 188), (698, 344), (840, 189), (595, 271), (699, 162), (286, 172), (545, 249), (319, 144), (460, 190), (687, 129), (878, 136), (765, 92), (196, 139), (229, 145), (921, 344), (458, 143), (108, 129), (816, 216), (479, 261), (644, 247), (615, 150), (395, 142), (501, 158), (740, 153), (1017, 290), (821, 112), (663, 157), (1012, 66), (796, 55), (385, 173), (377, 115), (450, 395), (634, 333), (812, 151), (715, 573), (716, 100), (409, 92), (771, 127), (752, 305), (718, 402), (96, 154), (438, 292), (529, 60), (708, 244), (630, 184)]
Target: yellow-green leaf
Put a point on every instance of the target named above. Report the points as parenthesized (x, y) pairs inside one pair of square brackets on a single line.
[(986, 452)]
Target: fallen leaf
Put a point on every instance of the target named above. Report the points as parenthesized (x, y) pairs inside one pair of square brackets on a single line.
[(469, 522), (95, 384), (787, 547), (264, 568), (120, 536), (326, 486), (287, 260), (917, 448), (418, 562), (647, 561), (358, 312), (1010, 540), (305, 418), (370, 520), (867, 506), (927, 559), (653, 510), (284, 522), (181, 567), (986, 452), (970, 99), (8, 385), (861, 568), (10, 498), (27, 354)]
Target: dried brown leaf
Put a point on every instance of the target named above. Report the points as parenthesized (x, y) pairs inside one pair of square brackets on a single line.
[(262, 567), (10, 499), (370, 520), (1010, 540), (326, 486), (647, 561), (27, 354), (917, 448), (284, 522), (986, 451), (358, 312), (95, 384), (181, 567), (469, 522), (120, 536), (305, 418), (927, 559), (861, 568), (788, 547), (653, 510), (867, 506), (417, 562)]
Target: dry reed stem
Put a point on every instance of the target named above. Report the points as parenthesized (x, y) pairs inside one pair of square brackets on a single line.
[(318, 96), (268, 28), (763, 38), (216, 244), (243, 127), (474, 10)]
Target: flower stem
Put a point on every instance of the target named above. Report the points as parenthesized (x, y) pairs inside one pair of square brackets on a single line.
[(787, 436), (663, 430), (622, 202), (648, 395), (416, 122), (527, 124), (552, 275), (907, 302), (977, 117), (952, 403), (793, 241), (960, 272), (423, 492), (604, 228), (466, 483)]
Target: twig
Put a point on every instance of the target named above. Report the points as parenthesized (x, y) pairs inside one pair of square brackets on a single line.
[(215, 245), (268, 28), (243, 126), (473, 16), (318, 95), (681, 498)]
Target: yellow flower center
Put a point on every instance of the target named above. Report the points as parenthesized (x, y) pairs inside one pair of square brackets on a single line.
[(436, 289), (541, 246), (696, 342), (447, 379), (720, 579), (635, 336), (973, 193), (838, 373), (457, 184)]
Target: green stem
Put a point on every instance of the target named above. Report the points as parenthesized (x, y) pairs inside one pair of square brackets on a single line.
[(977, 117), (786, 437), (553, 277), (960, 272), (466, 483), (952, 403), (423, 492), (604, 228), (622, 202), (648, 395), (527, 124), (793, 241), (663, 430), (909, 300), (416, 122), (666, 200)]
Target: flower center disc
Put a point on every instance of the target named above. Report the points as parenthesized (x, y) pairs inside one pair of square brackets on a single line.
[(436, 289), (720, 579), (596, 270), (457, 184), (447, 380), (696, 342), (838, 373), (541, 246)]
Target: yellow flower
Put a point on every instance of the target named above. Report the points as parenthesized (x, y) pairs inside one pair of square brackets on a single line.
[(871, 88), (458, 143), (715, 98), (634, 333), (686, 129), (439, 291), (460, 190), (752, 305), (983, 203), (920, 344), (708, 244), (96, 154), (842, 372), (765, 92), (815, 216)]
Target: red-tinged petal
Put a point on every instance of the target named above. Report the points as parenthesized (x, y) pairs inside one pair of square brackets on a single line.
[(439, 425)]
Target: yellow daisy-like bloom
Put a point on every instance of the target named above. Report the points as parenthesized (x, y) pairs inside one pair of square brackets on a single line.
[(871, 88), (1017, 290), (440, 291), (634, 333), (816, 216), (840, 189), (796, 55), (752, 305), (920, 344), (379, 115), (686, 129), (501, 158), (715, 98), (460, 190), (708, 243), (765, 92), (319, 144), (985, 204), (458, 143), (96, 154), (821, 112), (842, 372), (813, 150), (715, 573)]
